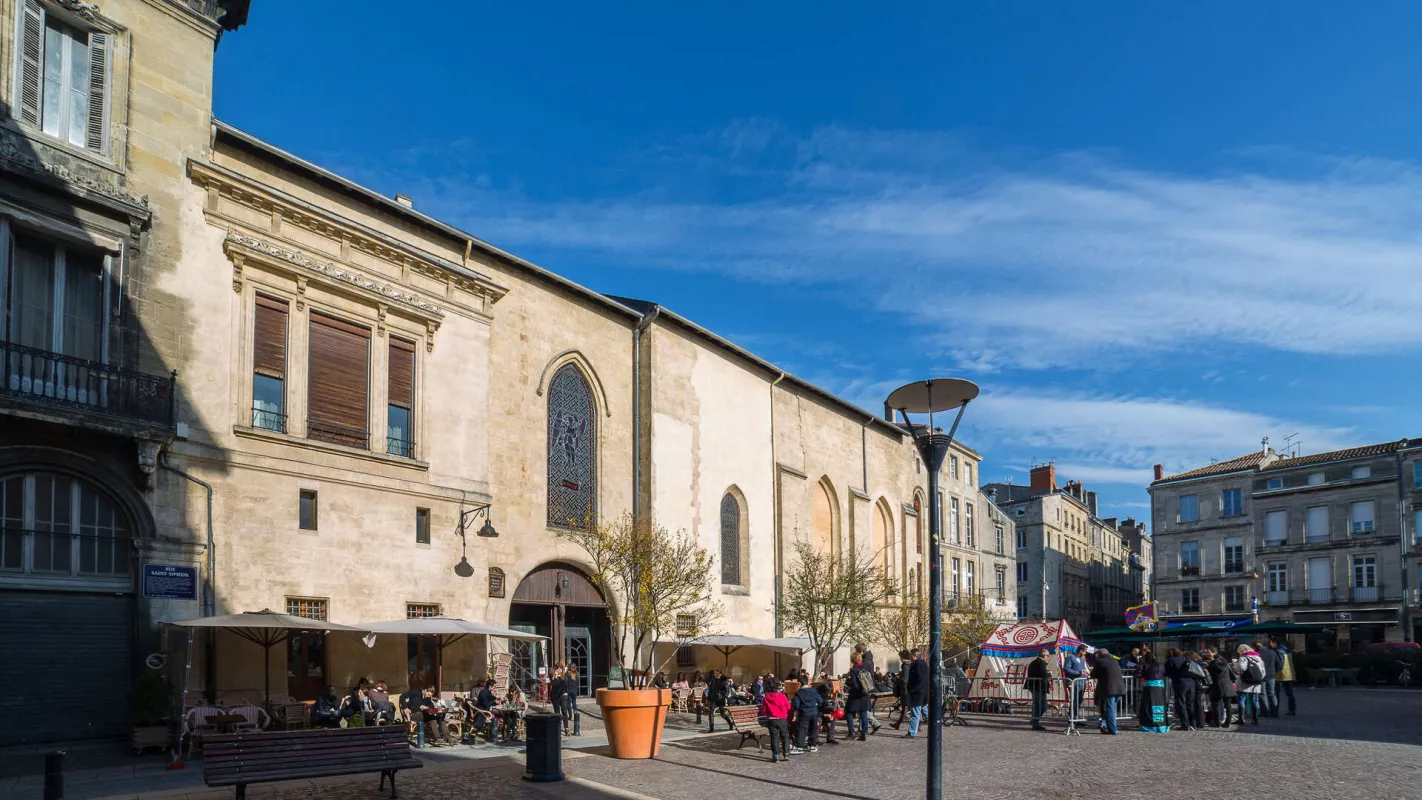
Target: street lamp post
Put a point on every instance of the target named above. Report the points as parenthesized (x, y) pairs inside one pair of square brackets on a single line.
[(930, 397)]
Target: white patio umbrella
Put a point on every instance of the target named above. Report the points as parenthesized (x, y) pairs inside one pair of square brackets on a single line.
[(447, 631), (266, 628), (731, 642)]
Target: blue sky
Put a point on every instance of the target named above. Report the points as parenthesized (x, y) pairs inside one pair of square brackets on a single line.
[(1154, 233)]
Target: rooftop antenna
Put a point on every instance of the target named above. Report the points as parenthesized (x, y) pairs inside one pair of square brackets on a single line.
[(1294, 449)]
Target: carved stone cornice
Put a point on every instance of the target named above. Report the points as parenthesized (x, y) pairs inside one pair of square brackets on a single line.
[(287, 210), (84, 11), (241, 248), (18, 154)]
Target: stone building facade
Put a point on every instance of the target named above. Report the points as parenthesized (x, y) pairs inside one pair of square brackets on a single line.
[(1070, 563), (273, 388), (1320, 539)]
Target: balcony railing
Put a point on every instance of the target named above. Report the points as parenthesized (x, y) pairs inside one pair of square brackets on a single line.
[(1320, 596), (1234, 608), (1363, 528), (53, 379), (337, 434), (57, 553), (1317, 538), (1190, 609), (1365, 594), (400, 446), (268, 420), (1277, 598), (1189, 570)]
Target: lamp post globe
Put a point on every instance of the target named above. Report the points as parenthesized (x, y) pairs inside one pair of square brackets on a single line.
[(933, 396)]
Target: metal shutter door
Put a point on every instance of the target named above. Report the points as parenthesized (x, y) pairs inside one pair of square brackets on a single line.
[(69, 657)]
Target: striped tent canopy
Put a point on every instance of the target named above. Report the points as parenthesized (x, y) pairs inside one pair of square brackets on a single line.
[(1026, 639)]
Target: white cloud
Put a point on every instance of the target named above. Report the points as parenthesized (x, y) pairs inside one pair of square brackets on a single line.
[(1117, 439), (1074, 260)]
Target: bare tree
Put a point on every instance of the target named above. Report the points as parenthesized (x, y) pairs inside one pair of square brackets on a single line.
[(902, 625), (661, 581), (832, 598), (967, 626)]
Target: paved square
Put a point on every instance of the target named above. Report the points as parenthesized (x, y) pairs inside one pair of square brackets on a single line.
[(1346, 743)]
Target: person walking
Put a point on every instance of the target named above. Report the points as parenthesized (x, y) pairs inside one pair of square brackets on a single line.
[(1285, 676), (1039, 682), (1110, 688), (901, 687), (1222, 691), (1182, 689), (1270, 696), (1250, 668), (806, 705), (860, 687), (916, 692), (775, 710), (1074, 673), (716, 694)]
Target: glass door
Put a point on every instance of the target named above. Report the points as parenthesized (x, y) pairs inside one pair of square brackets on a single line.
[(577, 645), (524, 668)]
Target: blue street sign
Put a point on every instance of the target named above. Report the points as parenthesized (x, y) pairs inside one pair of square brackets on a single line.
[(163, 582)]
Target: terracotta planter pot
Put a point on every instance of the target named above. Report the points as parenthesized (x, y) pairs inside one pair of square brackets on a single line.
[(634, 719)]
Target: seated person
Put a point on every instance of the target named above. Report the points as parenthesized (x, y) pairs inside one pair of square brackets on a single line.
[(517, 701), (829, 702), (380, 700), (327, 711), (660, 681), (410, 701), (485, 701), (680, 682), (434, 716), (358, 705)]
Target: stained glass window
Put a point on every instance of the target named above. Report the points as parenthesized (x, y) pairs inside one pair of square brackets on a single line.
[(572, 450), (730, 540)]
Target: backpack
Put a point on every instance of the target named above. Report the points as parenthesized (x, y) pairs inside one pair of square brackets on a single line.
[(1198, 673), (1253, 674), (866, 681)]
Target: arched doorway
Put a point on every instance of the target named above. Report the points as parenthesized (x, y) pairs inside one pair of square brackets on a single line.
[(558, 600)]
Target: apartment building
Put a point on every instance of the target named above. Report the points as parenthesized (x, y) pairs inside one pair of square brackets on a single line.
[(1318, 538), (1070, 563)]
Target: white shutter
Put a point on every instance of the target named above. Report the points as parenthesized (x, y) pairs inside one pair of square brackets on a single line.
[(1316, 526), (31, 55), (96, 127), (1276, 526)]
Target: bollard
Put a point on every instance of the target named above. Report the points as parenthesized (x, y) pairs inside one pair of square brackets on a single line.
[(577, 723), (544, 747), (419, 730), (54, 775)]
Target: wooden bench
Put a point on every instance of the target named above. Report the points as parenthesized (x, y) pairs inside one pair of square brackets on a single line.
[(745, 720), (240, 759)]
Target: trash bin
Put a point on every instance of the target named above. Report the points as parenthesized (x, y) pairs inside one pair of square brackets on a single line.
[(544, 746)]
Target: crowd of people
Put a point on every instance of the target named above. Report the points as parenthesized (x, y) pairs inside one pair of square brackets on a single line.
[(1208, 686)]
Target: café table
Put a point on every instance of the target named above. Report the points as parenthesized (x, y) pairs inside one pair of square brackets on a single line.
[(224, 722), (1332, 673)]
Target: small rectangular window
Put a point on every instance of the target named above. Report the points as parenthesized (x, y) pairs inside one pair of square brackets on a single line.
[(1231, 503), (308, 510), (1315, 478), (1022, 572), (1234, 599), (419, 610), (306, 607), (1022, 540), (1417, 474), (1021, 608), (422, 526), (1275, 483), (1190, 601), (1364, 471)]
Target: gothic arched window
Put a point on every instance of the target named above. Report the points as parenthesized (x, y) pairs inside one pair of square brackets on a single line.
[(731, 550), (572, 450)]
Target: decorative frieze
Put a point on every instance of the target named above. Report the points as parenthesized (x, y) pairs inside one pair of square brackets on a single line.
[(19, 154), (240, 244)]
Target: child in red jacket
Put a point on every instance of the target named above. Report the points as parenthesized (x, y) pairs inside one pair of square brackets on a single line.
[(775, 708)]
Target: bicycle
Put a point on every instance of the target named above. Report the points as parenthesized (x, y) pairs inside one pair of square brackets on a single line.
[(1404, 677)]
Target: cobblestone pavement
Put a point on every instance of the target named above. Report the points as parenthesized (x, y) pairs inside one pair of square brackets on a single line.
[(1346, 743)]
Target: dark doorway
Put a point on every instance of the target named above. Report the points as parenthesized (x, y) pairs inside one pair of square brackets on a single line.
[(558, 601), (306, 665), (423, 656)]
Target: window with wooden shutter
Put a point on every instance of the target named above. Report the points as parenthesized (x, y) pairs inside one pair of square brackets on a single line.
[(63, 76), (400, 414), (339, 378), (269, 364)]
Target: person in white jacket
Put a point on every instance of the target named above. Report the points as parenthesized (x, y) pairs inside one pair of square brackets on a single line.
[(1251, 683)]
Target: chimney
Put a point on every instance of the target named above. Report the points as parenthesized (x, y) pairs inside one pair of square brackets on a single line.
[(992, 493), (405, 200), (1091, 503), (1159, 472), (1044, 478)]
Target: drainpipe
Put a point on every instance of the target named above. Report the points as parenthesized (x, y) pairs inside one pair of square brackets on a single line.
[(1406, 604), (642, 325), (208, 602), (775, 509)]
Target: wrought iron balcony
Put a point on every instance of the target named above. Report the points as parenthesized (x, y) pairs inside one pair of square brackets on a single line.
[(1320, 596), (51, 379), (268, 420), (1365, 594), (1276, 598), (401, 446)]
